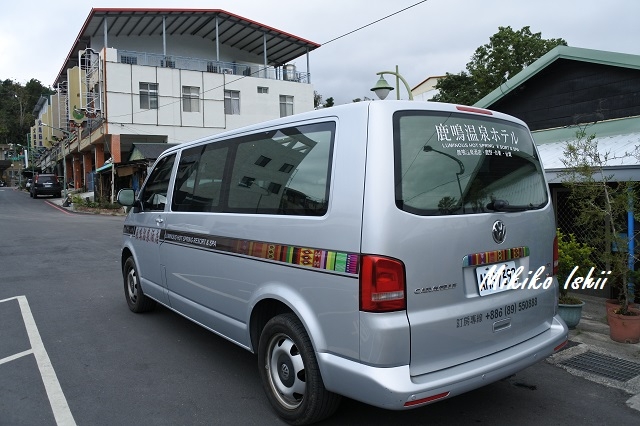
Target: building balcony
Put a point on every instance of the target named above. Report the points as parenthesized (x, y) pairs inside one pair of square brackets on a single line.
[(287, 73)]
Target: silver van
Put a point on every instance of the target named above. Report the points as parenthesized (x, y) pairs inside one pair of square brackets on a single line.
[(394, 252)]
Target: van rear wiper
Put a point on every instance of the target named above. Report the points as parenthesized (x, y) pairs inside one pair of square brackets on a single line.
[(503, 206)]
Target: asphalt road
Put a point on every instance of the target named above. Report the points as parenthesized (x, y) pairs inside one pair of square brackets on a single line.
[(72, 353)]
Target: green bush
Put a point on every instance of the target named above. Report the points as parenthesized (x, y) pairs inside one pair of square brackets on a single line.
[(81, 202), (571, 253)]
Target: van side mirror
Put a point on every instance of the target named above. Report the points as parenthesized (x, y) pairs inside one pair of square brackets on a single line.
[(126, 197)]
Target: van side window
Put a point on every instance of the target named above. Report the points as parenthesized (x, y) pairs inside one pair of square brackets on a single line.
[(154, 194), (294, 180), (199, 179)]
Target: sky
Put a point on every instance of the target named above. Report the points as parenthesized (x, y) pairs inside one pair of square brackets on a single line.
[(429, 39)]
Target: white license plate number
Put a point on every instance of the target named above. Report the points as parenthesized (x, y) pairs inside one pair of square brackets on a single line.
[(497, 281)]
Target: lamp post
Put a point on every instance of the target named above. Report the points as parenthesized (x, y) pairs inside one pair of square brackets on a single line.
[(20, 105), (382, 88), (18, 158)]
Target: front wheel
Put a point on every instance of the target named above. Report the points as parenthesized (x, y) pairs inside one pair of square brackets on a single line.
[(290, 374), (136, 299)]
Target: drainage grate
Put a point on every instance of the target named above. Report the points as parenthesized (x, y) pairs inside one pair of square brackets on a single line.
[(604, 365)]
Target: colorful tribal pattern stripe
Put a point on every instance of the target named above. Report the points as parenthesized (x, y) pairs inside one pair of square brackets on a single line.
[(477, 259), (302, 256)]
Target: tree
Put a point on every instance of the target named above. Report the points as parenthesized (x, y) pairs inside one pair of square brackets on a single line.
[(601, 205), (507, 53), (328, 103), (317, 99), (16, 108)]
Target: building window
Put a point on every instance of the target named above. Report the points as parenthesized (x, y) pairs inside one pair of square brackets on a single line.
[(131, 60), (274, 188), (286, 168), (286, 105), (263, 89), (190, 99), (148, 95), (246, 181), (231, 102), (262, 161)]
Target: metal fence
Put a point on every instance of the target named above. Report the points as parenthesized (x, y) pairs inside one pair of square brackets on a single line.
[(598, 237), (208, 65)]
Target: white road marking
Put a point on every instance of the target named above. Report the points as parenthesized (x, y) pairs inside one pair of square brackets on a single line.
[(16, 356), (58, 402)]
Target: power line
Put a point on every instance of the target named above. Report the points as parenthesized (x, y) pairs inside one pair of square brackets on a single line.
[(374, 22), (262, 69)]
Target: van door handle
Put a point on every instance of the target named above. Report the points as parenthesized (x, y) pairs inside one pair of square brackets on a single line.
[(159, 220)]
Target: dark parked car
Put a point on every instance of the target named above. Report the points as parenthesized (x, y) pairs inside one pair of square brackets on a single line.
[(45, 185)]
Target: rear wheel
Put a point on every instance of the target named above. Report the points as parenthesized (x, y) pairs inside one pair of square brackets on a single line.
[(136, 299), (290, 374)]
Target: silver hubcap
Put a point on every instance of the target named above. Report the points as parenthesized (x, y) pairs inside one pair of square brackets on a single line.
[(286, 371), (132, 285)]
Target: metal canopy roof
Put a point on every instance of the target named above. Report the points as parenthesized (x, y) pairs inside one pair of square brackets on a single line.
[(233, 30)]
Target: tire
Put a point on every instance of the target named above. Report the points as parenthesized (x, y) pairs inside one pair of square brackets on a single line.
[(290, 374), (136, 299), (35, 194)]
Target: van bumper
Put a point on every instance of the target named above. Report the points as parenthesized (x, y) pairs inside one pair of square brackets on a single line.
[(394, 388)]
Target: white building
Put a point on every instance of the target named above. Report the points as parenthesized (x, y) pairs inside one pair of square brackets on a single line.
[(426, 90), (166, 75)]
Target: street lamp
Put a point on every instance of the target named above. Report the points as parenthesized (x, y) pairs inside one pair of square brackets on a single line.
[(382, 88), (428, 148), (18, 156), (20, 105)]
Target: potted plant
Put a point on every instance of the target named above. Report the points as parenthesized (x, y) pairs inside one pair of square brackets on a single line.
[(604, 207), (571, 253)]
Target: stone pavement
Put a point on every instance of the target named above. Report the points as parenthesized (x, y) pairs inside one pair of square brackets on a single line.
[(604, 358)]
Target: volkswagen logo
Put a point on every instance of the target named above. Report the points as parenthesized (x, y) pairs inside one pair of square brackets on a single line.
[(499, 231), (284, 371)]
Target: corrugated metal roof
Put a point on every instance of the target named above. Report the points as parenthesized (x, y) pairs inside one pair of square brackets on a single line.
[(233, 30), (618, 150), (615, 59), (148, 151)]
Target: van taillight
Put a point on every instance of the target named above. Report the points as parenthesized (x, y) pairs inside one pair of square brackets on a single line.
[(382, 287), (555, 255)]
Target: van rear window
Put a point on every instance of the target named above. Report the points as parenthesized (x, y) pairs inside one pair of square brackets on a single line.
[(453, 163)]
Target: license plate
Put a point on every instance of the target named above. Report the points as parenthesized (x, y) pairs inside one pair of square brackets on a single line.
[(491, 283)]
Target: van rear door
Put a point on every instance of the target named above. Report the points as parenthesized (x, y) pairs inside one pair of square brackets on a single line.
[(470, 194)]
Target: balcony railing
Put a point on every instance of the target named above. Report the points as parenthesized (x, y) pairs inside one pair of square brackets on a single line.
[(288, 72)]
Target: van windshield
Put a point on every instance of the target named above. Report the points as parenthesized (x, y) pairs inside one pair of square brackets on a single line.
[(454, 163)]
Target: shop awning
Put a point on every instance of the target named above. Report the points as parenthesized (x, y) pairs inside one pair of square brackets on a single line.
[(104, 168)]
